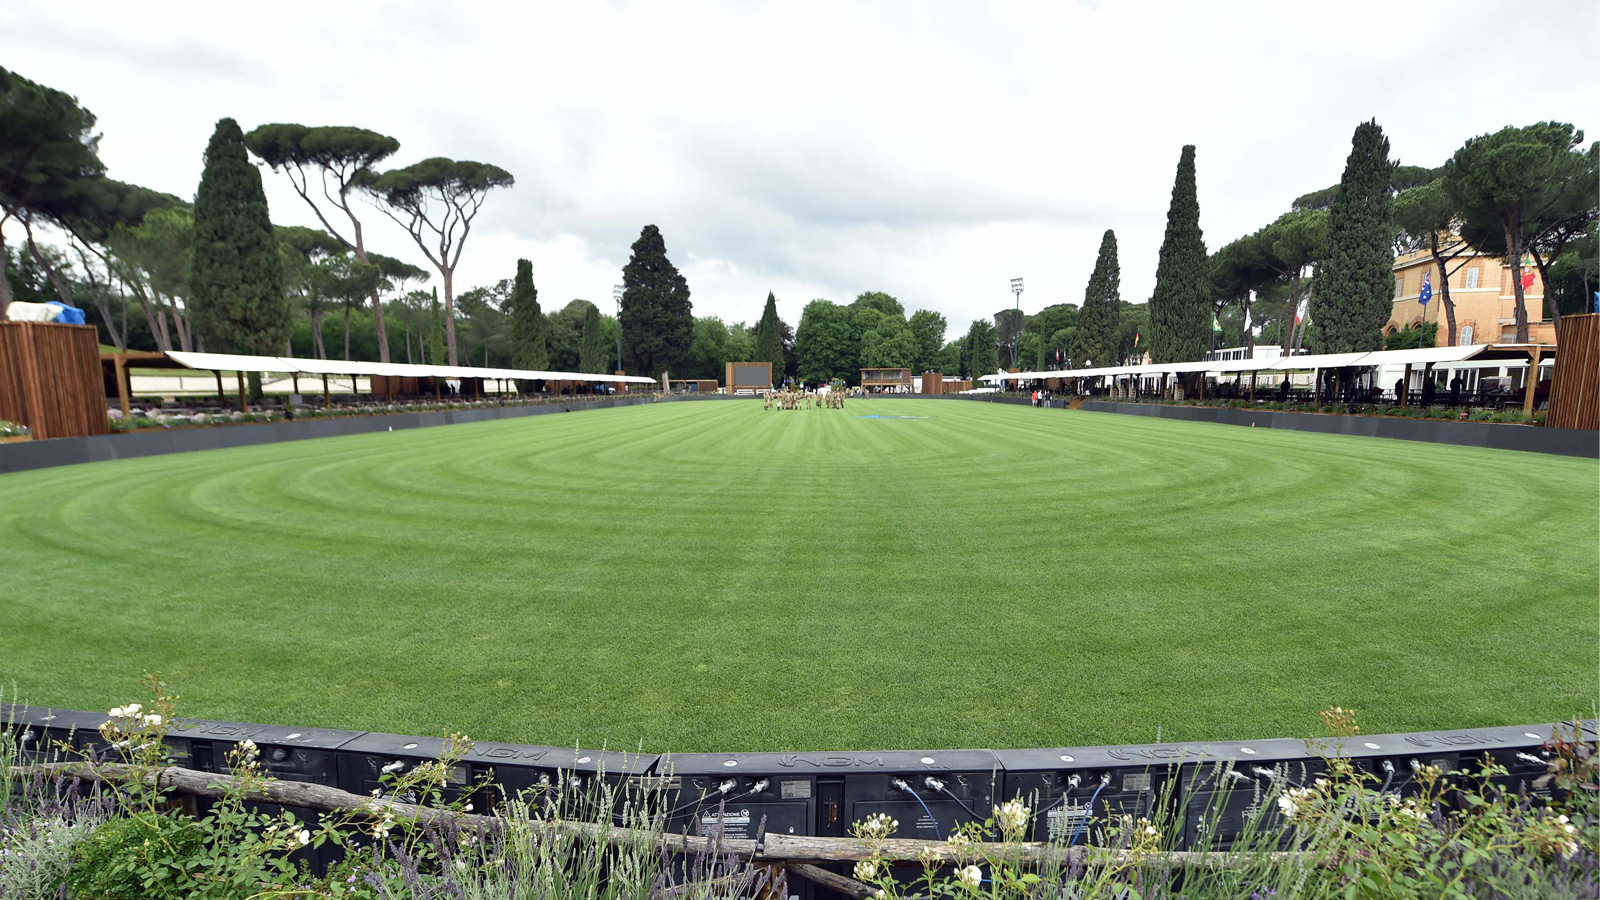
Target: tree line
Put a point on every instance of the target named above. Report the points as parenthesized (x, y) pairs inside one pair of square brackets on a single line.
[(1321, 276), (215, 273)]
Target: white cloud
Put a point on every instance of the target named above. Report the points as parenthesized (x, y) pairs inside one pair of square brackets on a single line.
[(930, 149)]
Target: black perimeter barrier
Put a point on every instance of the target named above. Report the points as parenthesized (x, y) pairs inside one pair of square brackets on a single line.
[(27, 455), (1073, 792)]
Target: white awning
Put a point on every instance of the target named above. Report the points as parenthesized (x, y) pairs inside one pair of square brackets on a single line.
[(240, 363), (230, 362)]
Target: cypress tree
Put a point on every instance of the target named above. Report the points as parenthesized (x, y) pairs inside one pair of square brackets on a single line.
[(657, 317), (1355, 283), (1180, 310), (982, 353), (1098, 328), (236, 293), (592, 343), (530, 347), (769, 339)]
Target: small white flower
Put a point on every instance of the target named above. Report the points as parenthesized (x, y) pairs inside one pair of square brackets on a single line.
[(866, 870), (971, 876), (152, 719), (1011, 815), (132, 709), (467, 808), (117, 712), (247, 747), (304, 837)]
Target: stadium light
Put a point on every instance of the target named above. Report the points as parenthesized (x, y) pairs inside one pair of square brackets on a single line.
[(616, 294), (1016, 321)]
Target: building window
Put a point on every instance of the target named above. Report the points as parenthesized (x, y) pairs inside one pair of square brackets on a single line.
[(1472, 278), (1399, 286), (1466, 336)]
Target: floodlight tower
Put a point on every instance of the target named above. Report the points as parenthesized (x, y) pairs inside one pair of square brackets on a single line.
[(616, 294), (1016, 321)]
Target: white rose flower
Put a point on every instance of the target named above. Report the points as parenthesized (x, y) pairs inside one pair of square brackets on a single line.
[(304, 837), (866, 870), (971, 876)]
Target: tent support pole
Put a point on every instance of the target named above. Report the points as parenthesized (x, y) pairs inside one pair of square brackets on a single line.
[(244, 402), (1532, 381)]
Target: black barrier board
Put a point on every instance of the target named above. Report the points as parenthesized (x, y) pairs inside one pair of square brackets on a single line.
[(43, 733), (736, 792), (305, 755), (1393, 759), (745, 796), (930, 793), (510, 771), (364, 761), (1228, 788), (1074, 791)]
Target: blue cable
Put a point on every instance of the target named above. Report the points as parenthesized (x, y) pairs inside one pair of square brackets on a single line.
[(925, 809), (1087, 812)]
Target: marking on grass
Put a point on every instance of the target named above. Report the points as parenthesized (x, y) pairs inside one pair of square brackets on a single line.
[(876, 416)]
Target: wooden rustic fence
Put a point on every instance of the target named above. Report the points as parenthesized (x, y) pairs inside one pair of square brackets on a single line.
[(1575, 383), (50, 379)]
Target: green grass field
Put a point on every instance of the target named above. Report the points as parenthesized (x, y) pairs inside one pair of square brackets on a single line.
[(699, 576)]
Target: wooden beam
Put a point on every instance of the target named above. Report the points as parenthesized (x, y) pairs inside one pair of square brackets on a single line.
[(244, 402), (221, 397), (1532, 381), (1405, 386), (327, 398), (123, 389)]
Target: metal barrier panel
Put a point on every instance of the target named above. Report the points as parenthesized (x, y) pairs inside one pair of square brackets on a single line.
[(305, 755), (1230, 789), (541, 774), (929, 793), (1074, 791)]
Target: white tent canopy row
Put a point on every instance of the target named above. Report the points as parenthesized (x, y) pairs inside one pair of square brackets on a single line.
[(1420, 356), (231, 362)]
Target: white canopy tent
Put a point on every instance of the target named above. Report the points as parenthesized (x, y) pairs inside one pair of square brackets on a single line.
[(295, 366), (1511, 355)]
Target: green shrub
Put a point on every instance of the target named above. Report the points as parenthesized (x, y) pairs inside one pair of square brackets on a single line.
[(1511, 416), (1441, 412), (1480, 415), (137, 857)]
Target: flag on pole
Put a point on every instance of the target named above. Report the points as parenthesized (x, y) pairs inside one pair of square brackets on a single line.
[(1528, 271), (1427, 288), (1136, 334), (1215, 325)]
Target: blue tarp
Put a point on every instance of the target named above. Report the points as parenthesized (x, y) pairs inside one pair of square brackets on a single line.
[(68, 315)]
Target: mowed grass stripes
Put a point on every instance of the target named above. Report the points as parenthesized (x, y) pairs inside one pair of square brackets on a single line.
[(710, 576)]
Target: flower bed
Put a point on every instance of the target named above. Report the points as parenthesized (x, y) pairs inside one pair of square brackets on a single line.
[(123, 835)]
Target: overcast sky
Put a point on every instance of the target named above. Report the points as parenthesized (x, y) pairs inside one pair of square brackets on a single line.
[(929, 149)]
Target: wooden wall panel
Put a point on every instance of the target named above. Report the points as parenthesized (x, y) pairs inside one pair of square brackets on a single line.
[(51, 380), (1575, 383)]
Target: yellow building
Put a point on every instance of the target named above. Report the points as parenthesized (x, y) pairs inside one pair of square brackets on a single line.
[(1483, 295)]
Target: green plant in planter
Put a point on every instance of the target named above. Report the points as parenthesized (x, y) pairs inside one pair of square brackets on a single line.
[(1511, 416)]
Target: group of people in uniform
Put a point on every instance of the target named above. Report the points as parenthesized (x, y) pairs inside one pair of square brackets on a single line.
[(802, 399)]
